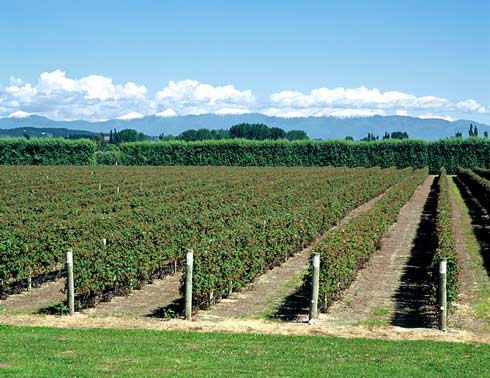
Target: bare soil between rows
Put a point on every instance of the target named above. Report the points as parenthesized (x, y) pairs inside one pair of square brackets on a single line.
[(474, 270), (267, 294), (393, 286)]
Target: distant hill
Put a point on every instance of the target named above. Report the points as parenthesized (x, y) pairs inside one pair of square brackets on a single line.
[(315, 127), (43, 132)]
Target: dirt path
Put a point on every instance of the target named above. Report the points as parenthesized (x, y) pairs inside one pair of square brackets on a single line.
[(392, 286), (468, 215), (265, 295), (49, 294), (255, 326), (147, 302)]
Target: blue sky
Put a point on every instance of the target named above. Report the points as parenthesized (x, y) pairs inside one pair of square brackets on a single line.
[(286, 58)]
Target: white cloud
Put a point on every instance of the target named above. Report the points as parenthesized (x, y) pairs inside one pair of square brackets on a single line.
[(350, 113), (26, 92), (96, 97), (131, 115), (55, 81), (226, 111), (193, 97), (364, 102), (435, 116), (167, 113), (290, 112), (361, 97), (471, 106), (19, 114)]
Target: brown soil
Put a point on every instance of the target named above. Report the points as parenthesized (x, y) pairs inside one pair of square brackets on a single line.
[(243, 326), (385, 289), (37, 299), (161, 293), (268, 291), (471, 270)]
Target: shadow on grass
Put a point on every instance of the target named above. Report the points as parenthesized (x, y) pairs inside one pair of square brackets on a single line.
[(413, 307), (480, 222)]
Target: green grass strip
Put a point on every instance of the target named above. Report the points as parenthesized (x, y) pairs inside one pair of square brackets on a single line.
[(50, 352)]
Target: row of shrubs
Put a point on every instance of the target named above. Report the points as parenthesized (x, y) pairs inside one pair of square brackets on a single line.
[(450, 153), (446, 247), (479, 186), (346, 249), (40, 151)]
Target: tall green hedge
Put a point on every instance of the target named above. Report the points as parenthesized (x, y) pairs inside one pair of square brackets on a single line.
[(450, 153), (21, 151)]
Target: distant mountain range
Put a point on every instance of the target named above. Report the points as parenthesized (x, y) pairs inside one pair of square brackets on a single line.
[(315, 127)]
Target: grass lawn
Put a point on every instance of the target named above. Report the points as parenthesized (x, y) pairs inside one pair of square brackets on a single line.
[(51, 352)]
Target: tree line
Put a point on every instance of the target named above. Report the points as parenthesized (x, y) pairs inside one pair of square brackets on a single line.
[(241, 131)]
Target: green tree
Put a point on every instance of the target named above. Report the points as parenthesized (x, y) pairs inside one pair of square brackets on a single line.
[(128, 135), (296, 135), (399, 135)]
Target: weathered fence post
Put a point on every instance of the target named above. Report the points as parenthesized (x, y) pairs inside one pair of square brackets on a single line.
[(442, 294), (189, 261), (315, 265), (71, 286)]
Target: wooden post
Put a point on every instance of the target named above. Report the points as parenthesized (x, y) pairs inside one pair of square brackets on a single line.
[(443, 295), (315, 266), (100, 187), (175, 266), (189, 261), (117, 190), (104, 242), (71, 286), (29, 282)]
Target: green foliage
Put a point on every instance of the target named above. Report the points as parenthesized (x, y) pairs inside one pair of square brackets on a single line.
[(109, 157), (42, 151), (450, 153), (296, 135), (399, 135), (277, 224), (238, 221), (446, 245), (235, 152), (202, 134), (347, 248), (256, 132), (485, 173), (127, 135), (479, 186)]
